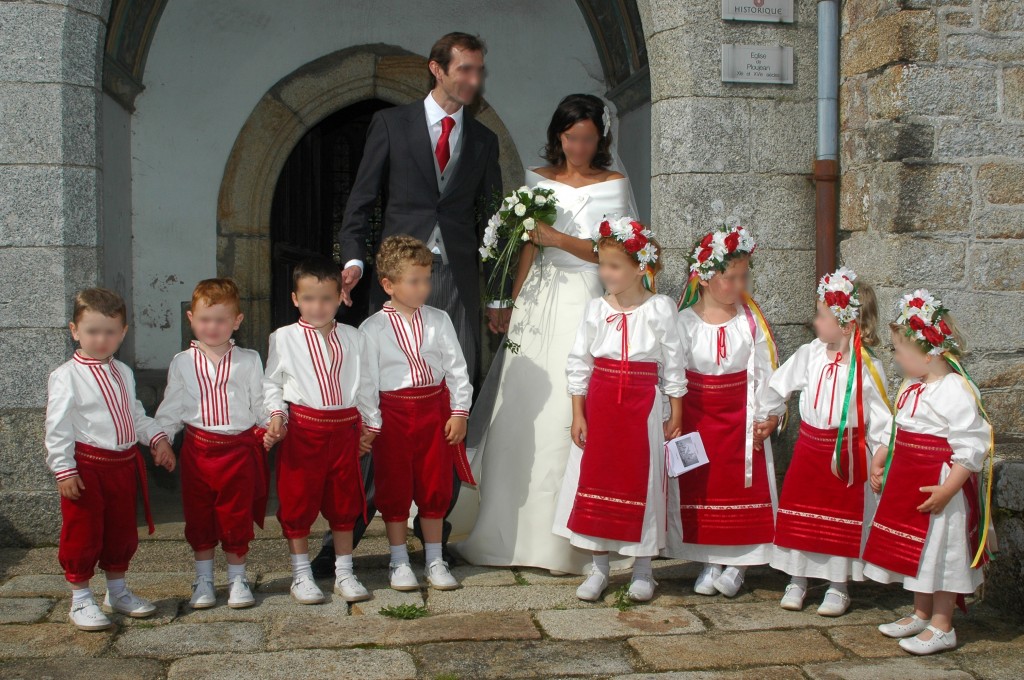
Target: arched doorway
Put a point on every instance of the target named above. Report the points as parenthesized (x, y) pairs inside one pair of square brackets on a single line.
[(309, 204), (297, 104)]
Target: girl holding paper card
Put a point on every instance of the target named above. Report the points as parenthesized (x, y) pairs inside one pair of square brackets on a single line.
[(727, 508), (613, 495), (825, 508)]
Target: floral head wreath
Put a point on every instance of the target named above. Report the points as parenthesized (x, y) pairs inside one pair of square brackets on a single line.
[(636, 239), (839, 292), (922, 315), (710, 254)]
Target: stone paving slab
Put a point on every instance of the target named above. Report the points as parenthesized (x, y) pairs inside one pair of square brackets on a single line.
[(187, 639), (772, 672), (384, 598), (354, 631), (865, 641), (937, 666), (997, 666), (529, 659), (734, 649), (107, 669), (512, 598), (591, 624), (349, 664), (268, 606), (736, 616), (166, 612), (50, 640), (24, 609)]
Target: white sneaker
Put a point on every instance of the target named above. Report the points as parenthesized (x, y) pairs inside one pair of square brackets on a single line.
[(705, 583), (402, 577), (240, 594), (129, 604), (86, 615), (203, 594), (306, 591), (349, 587), (641, 588), (793, 600), (729, 582), (836, 603), (439, 577), (903, 630), (939, 642), (592, 589)]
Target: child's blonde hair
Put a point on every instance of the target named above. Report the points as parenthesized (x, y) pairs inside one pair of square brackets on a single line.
[(867, 315), (906, 333), (397, 253)]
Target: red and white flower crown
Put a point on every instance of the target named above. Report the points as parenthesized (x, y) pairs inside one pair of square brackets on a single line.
[(839, 292), (710, 253), (634, 236), (922, 313)]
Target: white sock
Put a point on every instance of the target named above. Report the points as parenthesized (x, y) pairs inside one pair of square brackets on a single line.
[(433, 551), (343, 564), (300, 567), (204, 568), (80, 595), (115, 586), (841, 587), (800, 582), (399, 554), (601, 564), (642, 567), (236, 570)]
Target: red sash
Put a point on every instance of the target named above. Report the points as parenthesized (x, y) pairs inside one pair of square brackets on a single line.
[(611, 497), (319, 422), (899, 529), (715, 506), (818, 512), (87, 455), (433, 401), (206, 443)]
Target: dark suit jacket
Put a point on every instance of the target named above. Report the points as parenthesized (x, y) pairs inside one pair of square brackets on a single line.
[(398, 157)]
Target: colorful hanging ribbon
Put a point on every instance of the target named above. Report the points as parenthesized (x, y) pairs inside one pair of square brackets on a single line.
[(648, 279), (691, 293), (752, 308)]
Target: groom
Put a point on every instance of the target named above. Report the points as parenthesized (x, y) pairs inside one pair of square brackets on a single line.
[(438, 170)]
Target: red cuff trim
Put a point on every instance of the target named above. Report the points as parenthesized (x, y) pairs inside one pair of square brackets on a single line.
[(459, 413), (283, 414), (157, 438), (66, 474), (371, 428)]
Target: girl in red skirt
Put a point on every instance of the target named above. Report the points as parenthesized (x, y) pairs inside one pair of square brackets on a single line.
[(727, 518), (824, 512), (626, 354), (932, 524)]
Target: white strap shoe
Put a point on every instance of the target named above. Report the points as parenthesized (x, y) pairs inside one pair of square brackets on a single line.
[(129, 604), (203, 594), (86, 615), (240, 594), (349, 587), (641, 588), (705, 583), (835, 603), (793, 599), (592, 589), (940, 641), (306, 591), (730, 582), (899, 629), (402, 577), (439, 577)]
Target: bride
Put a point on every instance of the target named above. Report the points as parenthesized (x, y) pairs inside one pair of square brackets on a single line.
[(524, 439)]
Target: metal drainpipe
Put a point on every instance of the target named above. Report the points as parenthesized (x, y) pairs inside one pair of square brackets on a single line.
[(826, 164)]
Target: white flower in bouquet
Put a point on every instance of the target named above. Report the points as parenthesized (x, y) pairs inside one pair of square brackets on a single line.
[(540, 199), (529, 224), (520, 209)]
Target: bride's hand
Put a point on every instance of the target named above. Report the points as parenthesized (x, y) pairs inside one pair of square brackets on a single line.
[(544, 235)]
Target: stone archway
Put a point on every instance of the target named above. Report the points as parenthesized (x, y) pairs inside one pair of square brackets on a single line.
[(283, 115)]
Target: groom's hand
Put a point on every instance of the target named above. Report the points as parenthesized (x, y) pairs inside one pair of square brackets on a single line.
[(349, 278), (498, 319)]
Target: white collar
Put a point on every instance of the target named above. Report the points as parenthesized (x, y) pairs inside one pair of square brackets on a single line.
[(435, 113)]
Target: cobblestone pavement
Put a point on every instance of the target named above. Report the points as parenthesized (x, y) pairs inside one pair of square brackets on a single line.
[(504, 623)]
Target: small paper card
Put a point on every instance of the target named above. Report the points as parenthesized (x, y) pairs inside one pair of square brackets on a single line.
[(685, 453)]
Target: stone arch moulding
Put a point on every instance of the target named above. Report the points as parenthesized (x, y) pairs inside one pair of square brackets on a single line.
[(279, 120)]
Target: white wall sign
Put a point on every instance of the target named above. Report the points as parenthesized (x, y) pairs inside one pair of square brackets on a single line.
[(772, 64), (771, 11)]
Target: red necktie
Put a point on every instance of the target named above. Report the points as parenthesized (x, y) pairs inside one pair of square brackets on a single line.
[(443, 151)]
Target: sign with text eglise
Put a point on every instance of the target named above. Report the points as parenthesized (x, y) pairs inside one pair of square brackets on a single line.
[(768, 64), (771, 11)]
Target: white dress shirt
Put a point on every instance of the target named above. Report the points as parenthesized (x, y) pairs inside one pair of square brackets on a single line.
[(93, 402), (302, 369), (420, 352), (226, 397)]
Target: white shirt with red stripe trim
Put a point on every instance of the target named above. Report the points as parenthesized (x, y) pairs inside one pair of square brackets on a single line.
[(334, 373), (418, 352), (93, 402), (226, 397)]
